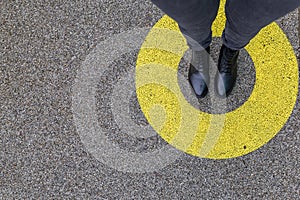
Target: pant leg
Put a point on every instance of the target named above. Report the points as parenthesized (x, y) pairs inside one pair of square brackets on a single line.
[(245, 18), (194, 18)]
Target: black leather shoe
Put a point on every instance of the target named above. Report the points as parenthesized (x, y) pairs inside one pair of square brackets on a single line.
[(198, 75), (227, 67)]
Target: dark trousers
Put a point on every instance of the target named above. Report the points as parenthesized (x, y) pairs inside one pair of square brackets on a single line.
[(245, 18)]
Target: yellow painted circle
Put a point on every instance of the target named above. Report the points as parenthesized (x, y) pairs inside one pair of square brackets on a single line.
[(216, 136)]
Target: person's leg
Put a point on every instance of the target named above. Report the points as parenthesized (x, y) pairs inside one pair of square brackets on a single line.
[(245, 18), (194, 18)]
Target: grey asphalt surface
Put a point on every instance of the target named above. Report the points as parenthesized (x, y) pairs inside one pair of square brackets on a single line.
[(43, 45)]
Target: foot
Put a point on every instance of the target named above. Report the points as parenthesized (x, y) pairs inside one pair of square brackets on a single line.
[(227, 67), (198, 75)]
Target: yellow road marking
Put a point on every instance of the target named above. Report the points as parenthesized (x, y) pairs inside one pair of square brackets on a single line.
[(201, 134)]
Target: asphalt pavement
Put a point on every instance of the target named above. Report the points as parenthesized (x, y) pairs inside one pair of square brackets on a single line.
[(45, 149)]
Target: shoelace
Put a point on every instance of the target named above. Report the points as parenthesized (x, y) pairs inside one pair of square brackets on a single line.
[(227, 61)]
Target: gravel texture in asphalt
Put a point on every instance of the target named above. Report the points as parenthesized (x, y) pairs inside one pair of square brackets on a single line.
[(42, 155)]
